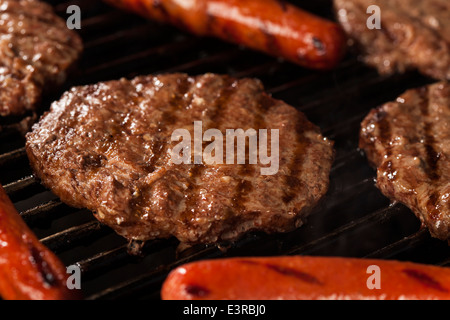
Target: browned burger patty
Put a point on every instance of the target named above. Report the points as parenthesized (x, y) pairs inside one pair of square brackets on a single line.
[(36, 50), (414, 34), (409, 142), (107, 147)]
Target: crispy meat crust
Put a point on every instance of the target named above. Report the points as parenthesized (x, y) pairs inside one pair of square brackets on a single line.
[(414, 34), (107, 147), (36, 52), (408, 140)]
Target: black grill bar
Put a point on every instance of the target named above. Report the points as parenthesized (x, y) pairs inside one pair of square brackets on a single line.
[(40, 210), (103, 259), (9, 157), (332, 236), (137, 59), (153, 278), (22, 188), (66, 239), (119, 255), (393, 248), (343, 160), (354, 218)]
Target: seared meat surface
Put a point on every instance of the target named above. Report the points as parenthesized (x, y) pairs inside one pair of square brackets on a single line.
[(408, 140), (36, 51), (107, 147), (414, 34)]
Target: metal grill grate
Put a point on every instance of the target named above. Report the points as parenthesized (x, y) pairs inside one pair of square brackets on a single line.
[(354, 219)]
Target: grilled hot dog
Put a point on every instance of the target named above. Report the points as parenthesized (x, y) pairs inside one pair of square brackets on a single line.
[(272, 26), (28, 270), (305, 278)]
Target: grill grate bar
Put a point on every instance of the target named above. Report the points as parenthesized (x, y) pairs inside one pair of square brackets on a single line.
[(96, 262), (104, 21), (46, 211), (334, 130), (107, 260), (347, 193), (345, 67), (347, 89), (360, 185), (394, 248), (153, 277), (14, 189), (115, 38), (342, 161), (332, 236), (66, 239), (12, 156), (258, 69), (220, 57), (174, 47)]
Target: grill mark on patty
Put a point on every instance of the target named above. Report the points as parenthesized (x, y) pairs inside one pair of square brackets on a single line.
[(167, 118), (385, 137), (150, 206), (431, 156), (224, 95), (243, 187), (291, 180), (385, 130), (197, 169), (246, 186), (433, 206)]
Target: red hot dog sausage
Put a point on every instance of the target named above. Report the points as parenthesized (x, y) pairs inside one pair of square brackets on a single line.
[(272, 26), (28, 270), (306, 278)]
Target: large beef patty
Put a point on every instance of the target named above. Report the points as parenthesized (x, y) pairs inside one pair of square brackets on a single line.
[(36, 51), (414, 34), (107, 147), (409, 142)]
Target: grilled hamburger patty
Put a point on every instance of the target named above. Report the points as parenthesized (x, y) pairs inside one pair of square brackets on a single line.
[(36, 51), (414, 34), (408, 140), (107, 147)]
